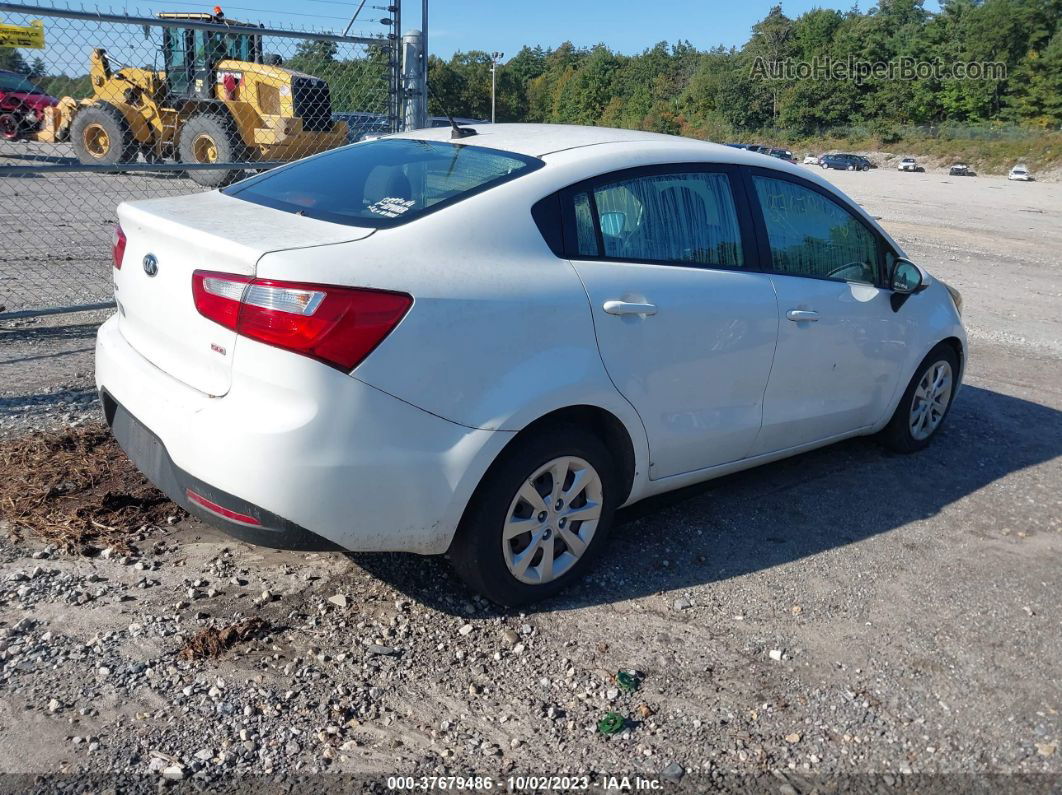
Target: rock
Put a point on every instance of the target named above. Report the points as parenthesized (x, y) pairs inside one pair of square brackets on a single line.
[(793, 738), (54, 705), (682, 603), (775, 654), (673, 772), (510, 637), (383, 651), (204, 755), (339, 600), (1046, 749), (173, 773), (465, 630)]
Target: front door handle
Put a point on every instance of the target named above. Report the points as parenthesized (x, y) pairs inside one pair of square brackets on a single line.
[(797, 315), (627, 308)]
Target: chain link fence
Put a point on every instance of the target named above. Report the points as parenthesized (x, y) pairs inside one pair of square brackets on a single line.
[(97, 109)]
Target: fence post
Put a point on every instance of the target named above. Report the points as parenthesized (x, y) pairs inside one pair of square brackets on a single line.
[(414, 112)]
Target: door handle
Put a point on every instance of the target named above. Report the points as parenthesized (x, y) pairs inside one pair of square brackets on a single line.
[(627, 308), (798, 315)]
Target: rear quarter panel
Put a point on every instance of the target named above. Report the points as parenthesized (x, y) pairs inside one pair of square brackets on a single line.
[(500, 332)]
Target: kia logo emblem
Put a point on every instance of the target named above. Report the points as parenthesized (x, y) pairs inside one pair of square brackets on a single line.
[(151, 264)]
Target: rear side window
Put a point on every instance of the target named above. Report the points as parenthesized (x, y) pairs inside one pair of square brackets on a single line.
[(681, 218), (383, 183), (810, 235)]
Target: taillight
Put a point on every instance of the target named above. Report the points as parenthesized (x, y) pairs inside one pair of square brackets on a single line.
[(339, 326), (118, 247)]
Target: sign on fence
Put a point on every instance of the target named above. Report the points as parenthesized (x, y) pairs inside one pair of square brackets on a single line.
[(31, 35)]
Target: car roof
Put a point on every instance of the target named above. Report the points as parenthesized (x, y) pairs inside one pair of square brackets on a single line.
[(537, 140)]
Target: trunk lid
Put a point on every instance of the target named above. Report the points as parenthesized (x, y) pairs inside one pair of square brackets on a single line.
[(205, 231)]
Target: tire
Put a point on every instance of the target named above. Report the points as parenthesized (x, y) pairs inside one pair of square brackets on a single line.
[(486, 562), (902, 434), (866, 168), (211, 138), (100, 135), (851, 167)]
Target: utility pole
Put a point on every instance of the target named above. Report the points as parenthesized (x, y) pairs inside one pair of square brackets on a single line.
[(494, 58), (424, 56)]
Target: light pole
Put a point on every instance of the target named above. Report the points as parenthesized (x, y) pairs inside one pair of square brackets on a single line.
[(494, 58)]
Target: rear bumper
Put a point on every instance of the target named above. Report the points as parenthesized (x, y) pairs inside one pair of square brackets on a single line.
[(149, 455), (316, 455)]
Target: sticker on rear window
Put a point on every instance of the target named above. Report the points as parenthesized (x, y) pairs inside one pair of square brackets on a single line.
[(391, 206)]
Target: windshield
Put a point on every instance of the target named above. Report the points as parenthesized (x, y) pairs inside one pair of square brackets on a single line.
[(17, 82), (385, 182)]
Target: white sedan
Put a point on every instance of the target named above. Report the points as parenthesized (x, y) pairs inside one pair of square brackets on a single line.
[(484, 345)]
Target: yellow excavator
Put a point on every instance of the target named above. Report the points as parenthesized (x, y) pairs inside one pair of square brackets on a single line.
[(219, 100)]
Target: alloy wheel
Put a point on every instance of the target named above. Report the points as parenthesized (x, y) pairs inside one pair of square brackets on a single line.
[(552, 520), (930, 401)]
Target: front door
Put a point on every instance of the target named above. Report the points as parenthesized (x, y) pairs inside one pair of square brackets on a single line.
[(840, 344), (685, 332)]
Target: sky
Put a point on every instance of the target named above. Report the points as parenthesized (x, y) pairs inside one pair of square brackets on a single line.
[(627, 26)]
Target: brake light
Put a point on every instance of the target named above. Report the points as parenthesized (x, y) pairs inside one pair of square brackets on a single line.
[(118, 247), (339, 326)]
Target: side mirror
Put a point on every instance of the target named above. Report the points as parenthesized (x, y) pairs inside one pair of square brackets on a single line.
[(907, 277), (272, 59)]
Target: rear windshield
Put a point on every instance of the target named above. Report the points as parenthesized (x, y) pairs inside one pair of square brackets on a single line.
[(383, 183)]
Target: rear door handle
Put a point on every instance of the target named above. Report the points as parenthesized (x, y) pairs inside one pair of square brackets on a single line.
[(797, 315), (627, 308)]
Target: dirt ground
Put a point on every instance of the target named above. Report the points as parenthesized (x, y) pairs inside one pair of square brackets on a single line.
[(848, 619)]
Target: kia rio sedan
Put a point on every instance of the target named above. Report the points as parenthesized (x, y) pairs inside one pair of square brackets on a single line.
[(483, 346)]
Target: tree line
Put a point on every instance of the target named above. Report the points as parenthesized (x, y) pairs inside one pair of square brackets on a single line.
[(723, 92)]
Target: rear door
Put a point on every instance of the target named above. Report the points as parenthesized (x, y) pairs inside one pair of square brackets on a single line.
[(168, 240), (840, 344), (686, 331)]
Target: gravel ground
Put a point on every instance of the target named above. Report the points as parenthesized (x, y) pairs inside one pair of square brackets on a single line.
[(845, 613)]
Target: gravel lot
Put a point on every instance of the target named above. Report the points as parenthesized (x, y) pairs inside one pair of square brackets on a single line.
[(845, 613)]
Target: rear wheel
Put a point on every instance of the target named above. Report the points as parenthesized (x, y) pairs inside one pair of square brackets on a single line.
[(539, 517), (101, 135), (925, 403), (9, 127), (210, 138)]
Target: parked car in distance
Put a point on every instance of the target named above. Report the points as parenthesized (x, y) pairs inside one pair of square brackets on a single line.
[(782, 154), (845, 162), (1020, 174), (961, 170), (909, 164), (484, 346), (811, 160), (22, 105), (364, 125)]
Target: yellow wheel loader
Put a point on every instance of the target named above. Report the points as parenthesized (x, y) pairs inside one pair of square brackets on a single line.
[(219, 100)]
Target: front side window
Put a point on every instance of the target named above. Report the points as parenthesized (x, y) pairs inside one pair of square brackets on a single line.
[(682, 218), (385, 182), (810, 235)]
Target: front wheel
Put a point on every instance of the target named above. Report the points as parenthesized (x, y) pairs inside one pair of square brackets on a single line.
[(539, 517), (211, 138), (925, 403)]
